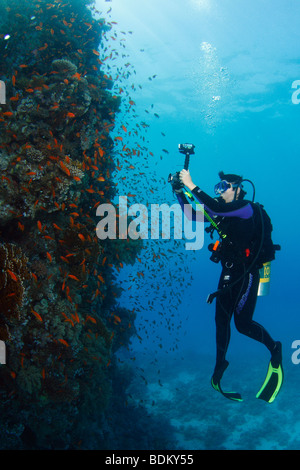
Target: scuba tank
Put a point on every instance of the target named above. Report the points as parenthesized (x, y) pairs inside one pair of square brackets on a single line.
[(264, 279)]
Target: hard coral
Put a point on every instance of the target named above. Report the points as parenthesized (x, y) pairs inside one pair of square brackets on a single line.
[(64, 67)]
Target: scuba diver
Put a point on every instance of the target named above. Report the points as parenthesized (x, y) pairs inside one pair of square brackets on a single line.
[(244, 229)]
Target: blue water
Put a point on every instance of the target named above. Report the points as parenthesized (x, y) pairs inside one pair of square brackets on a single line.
[(217, 74)]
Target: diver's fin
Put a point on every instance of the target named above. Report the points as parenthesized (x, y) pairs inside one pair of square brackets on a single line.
[(274, 378), (272, 384), (230, 395), (216, 379)]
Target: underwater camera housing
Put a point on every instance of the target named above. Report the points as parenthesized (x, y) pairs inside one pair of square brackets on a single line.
[(187, 150)]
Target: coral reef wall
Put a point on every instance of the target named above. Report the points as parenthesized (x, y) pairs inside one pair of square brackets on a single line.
[(59, 315)]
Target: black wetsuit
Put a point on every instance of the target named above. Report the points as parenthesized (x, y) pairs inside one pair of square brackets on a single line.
[(241, 223)]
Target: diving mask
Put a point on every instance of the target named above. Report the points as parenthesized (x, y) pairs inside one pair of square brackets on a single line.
[(223, 185)]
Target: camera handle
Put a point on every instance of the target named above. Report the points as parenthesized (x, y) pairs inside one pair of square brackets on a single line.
[(187, 161), (174, 179)]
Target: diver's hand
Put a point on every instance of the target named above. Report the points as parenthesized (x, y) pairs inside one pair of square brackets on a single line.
[(186, 179)]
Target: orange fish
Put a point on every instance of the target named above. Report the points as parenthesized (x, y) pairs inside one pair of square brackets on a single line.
[(44, 47), (77, 317), (67, 319), (12, 275), (71, 115), (63, 341), (64, 168), (117, 319), (37, 315), (73, 277), (77, 75), (81, 237), (5, 178), (14, 98), (92, 319), (49, 257)]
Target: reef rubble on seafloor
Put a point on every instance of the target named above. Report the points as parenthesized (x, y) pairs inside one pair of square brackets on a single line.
[(59, 316)]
